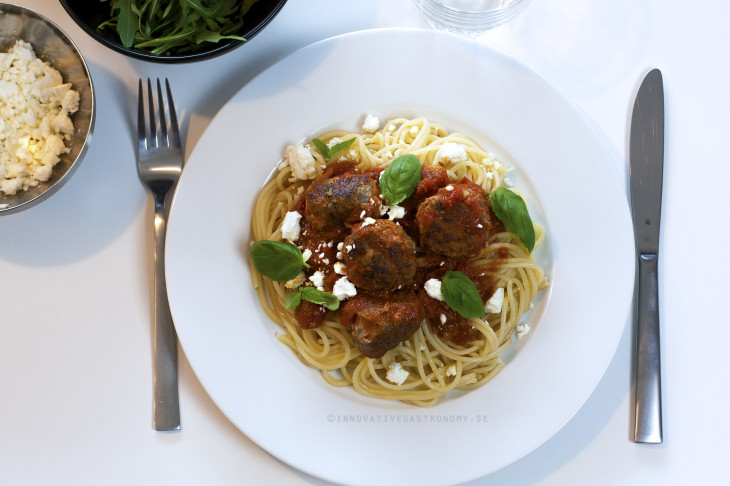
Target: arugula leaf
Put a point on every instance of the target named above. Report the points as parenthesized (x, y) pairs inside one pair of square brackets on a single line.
[(461, 294), (331, 152), (512, 211), (400, 179), (293, 299), (277, 260), (175, 27)]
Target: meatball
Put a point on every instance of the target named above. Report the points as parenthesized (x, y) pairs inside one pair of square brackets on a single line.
[(340, 201), (379, 323), (455, 222), (379, 255)]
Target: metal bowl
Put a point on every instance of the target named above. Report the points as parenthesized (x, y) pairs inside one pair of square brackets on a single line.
[(51, 45), (88, 15)]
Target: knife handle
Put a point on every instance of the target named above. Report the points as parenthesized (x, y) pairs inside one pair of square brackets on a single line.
[(648, 409)]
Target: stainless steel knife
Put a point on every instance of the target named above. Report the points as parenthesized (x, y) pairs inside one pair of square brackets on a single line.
[(646, 156)]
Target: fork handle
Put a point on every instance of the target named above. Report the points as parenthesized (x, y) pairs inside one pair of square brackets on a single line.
[(166, 405)]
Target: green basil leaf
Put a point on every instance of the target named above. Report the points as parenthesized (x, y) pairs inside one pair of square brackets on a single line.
[(293, 299), (330, 152), (512, 211), (461, 294), (277, 260), (320, 297), (339, 147), (322, 147), (400, 179)]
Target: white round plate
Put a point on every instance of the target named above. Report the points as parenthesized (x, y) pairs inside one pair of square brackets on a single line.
[(333, 433)]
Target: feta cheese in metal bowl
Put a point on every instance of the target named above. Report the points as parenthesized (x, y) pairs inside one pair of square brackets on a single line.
[(47, 105)]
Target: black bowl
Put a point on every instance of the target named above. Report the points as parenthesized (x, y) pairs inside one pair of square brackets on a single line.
[(88, 14)]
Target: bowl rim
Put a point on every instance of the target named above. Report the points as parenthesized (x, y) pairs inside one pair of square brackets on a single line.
[(175, 59), (54, 187)]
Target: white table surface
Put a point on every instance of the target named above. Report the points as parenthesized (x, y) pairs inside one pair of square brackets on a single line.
[(75, 271)]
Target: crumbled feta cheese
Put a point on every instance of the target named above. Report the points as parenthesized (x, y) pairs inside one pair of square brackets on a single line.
[(396, 374), (348, 248), (301, 161), (507, 181), (451, 370), (340, 255), (362, 214), (340, 246), (413, 130), (343, 289), (391, 127), (433, 288), (295, 282), (451, 152), (326, 261), (321, 255), (340, 268), (35, 106), (306, 254), (333, 141), (368, 221), (290, 226), (522, 329), (317, 279), (449, 187), (395, 212), (479, 225), (442, 318), (494, 304), (371, 124)]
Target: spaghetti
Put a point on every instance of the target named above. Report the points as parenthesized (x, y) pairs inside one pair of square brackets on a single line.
[(430, 366)]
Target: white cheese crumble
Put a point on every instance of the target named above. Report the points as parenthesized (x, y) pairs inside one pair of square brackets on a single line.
[(290, 226), (395, 212), (442, 318), (413, 130), (522, 329), (340, 268), (35, 105), (301, 161), (317, 279), (368, 221), (343, 289), (451, 152), (371, 124), (396, 374), (333, 141), (433, 288), (306, 254), (494, 304), (451, 370), (449, 187)]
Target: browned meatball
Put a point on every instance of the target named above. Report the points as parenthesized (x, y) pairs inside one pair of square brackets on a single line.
[(455, 222), (380, 256), (379, 323), (340, 201)]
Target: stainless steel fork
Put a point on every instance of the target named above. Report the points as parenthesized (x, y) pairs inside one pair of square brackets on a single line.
[(159, 164)]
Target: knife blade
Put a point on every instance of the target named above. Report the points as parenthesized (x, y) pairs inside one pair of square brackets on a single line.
[(646, 160)]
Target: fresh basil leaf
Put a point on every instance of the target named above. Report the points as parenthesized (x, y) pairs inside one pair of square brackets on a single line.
[(461, 294), (322, 147), (330, 152), (277, 260), (293, 299), (320, 297), (400, 179), (512, 211), (339, 147)]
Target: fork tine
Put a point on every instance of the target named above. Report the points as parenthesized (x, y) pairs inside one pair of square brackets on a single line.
[(153, 127), (164, 141), (174, 130), (141, 130)]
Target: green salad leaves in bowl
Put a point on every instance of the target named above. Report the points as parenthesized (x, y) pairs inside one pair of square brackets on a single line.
[(173, 30)]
